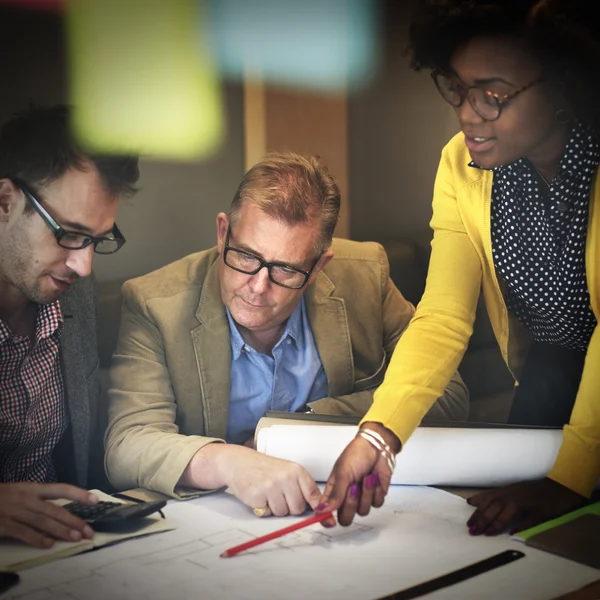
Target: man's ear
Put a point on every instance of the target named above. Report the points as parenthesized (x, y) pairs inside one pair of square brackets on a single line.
[(8, 199), (222, 227), (323, 261)]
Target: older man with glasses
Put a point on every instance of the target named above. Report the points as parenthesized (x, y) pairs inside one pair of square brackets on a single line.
[(57, 207), (268, 319)]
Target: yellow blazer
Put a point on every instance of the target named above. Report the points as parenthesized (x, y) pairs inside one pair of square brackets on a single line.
[(461, 263)]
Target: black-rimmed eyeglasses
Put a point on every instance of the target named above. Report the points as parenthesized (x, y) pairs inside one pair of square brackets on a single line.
[(279, 273), (108, 244), (488, 105)]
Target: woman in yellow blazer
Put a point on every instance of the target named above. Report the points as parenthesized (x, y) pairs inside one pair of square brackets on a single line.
[(516, 211)]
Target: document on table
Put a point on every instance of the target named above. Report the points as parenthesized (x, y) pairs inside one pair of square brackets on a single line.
[(432, 456), (417, 535)]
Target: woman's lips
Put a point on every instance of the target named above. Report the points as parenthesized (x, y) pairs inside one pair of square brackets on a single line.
[(478, 143)]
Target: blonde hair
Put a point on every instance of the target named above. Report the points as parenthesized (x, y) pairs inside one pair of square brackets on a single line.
[(293, 189)]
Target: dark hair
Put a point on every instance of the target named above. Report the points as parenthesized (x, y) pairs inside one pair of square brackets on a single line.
[(293, 189), (563, 35), (38, 147)]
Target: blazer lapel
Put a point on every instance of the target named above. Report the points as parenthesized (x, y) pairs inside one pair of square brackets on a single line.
[(329, 324), (74, 368), (213, 355)]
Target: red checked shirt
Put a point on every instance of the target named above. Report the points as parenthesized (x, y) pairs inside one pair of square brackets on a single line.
[(32, 408)]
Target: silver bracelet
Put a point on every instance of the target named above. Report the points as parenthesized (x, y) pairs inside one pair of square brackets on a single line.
[(389, 455), (388, 451), (380, 446)]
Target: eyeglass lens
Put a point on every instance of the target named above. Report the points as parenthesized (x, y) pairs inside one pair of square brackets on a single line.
[(249, 264), (483, 103)]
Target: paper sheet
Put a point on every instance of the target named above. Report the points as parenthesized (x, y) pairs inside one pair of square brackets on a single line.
[(432, 455), (418, 534)]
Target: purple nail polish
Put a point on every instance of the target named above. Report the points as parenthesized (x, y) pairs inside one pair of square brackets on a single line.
[(489, 530), (354, 490), (473, 530), (321, 507), (369, 481), (376, 478)]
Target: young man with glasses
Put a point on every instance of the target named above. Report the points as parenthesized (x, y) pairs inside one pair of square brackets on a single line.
[(269, 319), (57, 207)]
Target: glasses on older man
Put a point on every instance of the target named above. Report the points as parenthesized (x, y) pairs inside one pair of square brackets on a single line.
[(488, 105), (73, 240), (281, 274)]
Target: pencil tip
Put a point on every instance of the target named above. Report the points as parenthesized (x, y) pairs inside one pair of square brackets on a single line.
[(224, 555)]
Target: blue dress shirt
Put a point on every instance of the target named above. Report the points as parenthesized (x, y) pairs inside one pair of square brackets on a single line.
[(286, 381)]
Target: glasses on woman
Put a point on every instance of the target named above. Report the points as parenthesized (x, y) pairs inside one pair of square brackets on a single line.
[(487, 104), (73, 240), (279, 273)]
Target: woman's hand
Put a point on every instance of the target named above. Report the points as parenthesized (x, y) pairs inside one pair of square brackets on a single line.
[(360, 477), (520, 506)]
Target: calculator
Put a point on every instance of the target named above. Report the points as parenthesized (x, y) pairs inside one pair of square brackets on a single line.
[(106, 516)]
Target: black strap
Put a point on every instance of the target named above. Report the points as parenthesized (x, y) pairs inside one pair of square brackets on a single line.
[(498, 560)]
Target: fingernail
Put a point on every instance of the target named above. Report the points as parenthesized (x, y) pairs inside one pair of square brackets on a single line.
[(93, 498), (470, 522), (369, 481), (75, 535), (377, 480), (47, 542), (321, 507), (88, 532), (489, 530), (354, 490), (473, 530)]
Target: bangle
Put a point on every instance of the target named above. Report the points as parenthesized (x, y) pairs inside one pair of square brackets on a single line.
[(379, 438), (388, 454), (380, 445)]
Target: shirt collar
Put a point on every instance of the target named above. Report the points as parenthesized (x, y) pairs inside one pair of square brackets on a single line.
[(4, 332), (49, 322), (293, 330)]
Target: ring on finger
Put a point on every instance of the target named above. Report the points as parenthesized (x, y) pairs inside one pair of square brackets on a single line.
[(263, 511)]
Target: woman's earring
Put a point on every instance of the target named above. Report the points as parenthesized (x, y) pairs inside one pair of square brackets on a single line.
[(562, 116)]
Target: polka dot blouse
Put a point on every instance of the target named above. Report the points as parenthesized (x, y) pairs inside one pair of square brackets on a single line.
[(538, 243)]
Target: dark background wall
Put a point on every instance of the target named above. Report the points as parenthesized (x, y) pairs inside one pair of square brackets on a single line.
[(397, 127)]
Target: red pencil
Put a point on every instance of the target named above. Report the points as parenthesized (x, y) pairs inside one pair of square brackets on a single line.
[(276, 534)]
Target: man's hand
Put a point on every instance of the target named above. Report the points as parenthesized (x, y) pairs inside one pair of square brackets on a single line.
[(26, 515), (258, 480), (520, 506), (360, 477)]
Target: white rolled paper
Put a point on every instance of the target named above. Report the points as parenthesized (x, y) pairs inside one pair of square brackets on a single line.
[(432, 456)]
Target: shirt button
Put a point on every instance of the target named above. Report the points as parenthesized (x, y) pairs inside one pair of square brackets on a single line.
[(561, 206), (245, 349), (276, 377), (288, 341)]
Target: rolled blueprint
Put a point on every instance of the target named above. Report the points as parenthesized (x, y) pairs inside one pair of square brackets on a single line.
[(432, 455)]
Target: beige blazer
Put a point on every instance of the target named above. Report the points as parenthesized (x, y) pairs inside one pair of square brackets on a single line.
[(170, 384)]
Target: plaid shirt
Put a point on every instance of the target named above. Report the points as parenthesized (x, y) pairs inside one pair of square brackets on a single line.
[(32, 410)]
